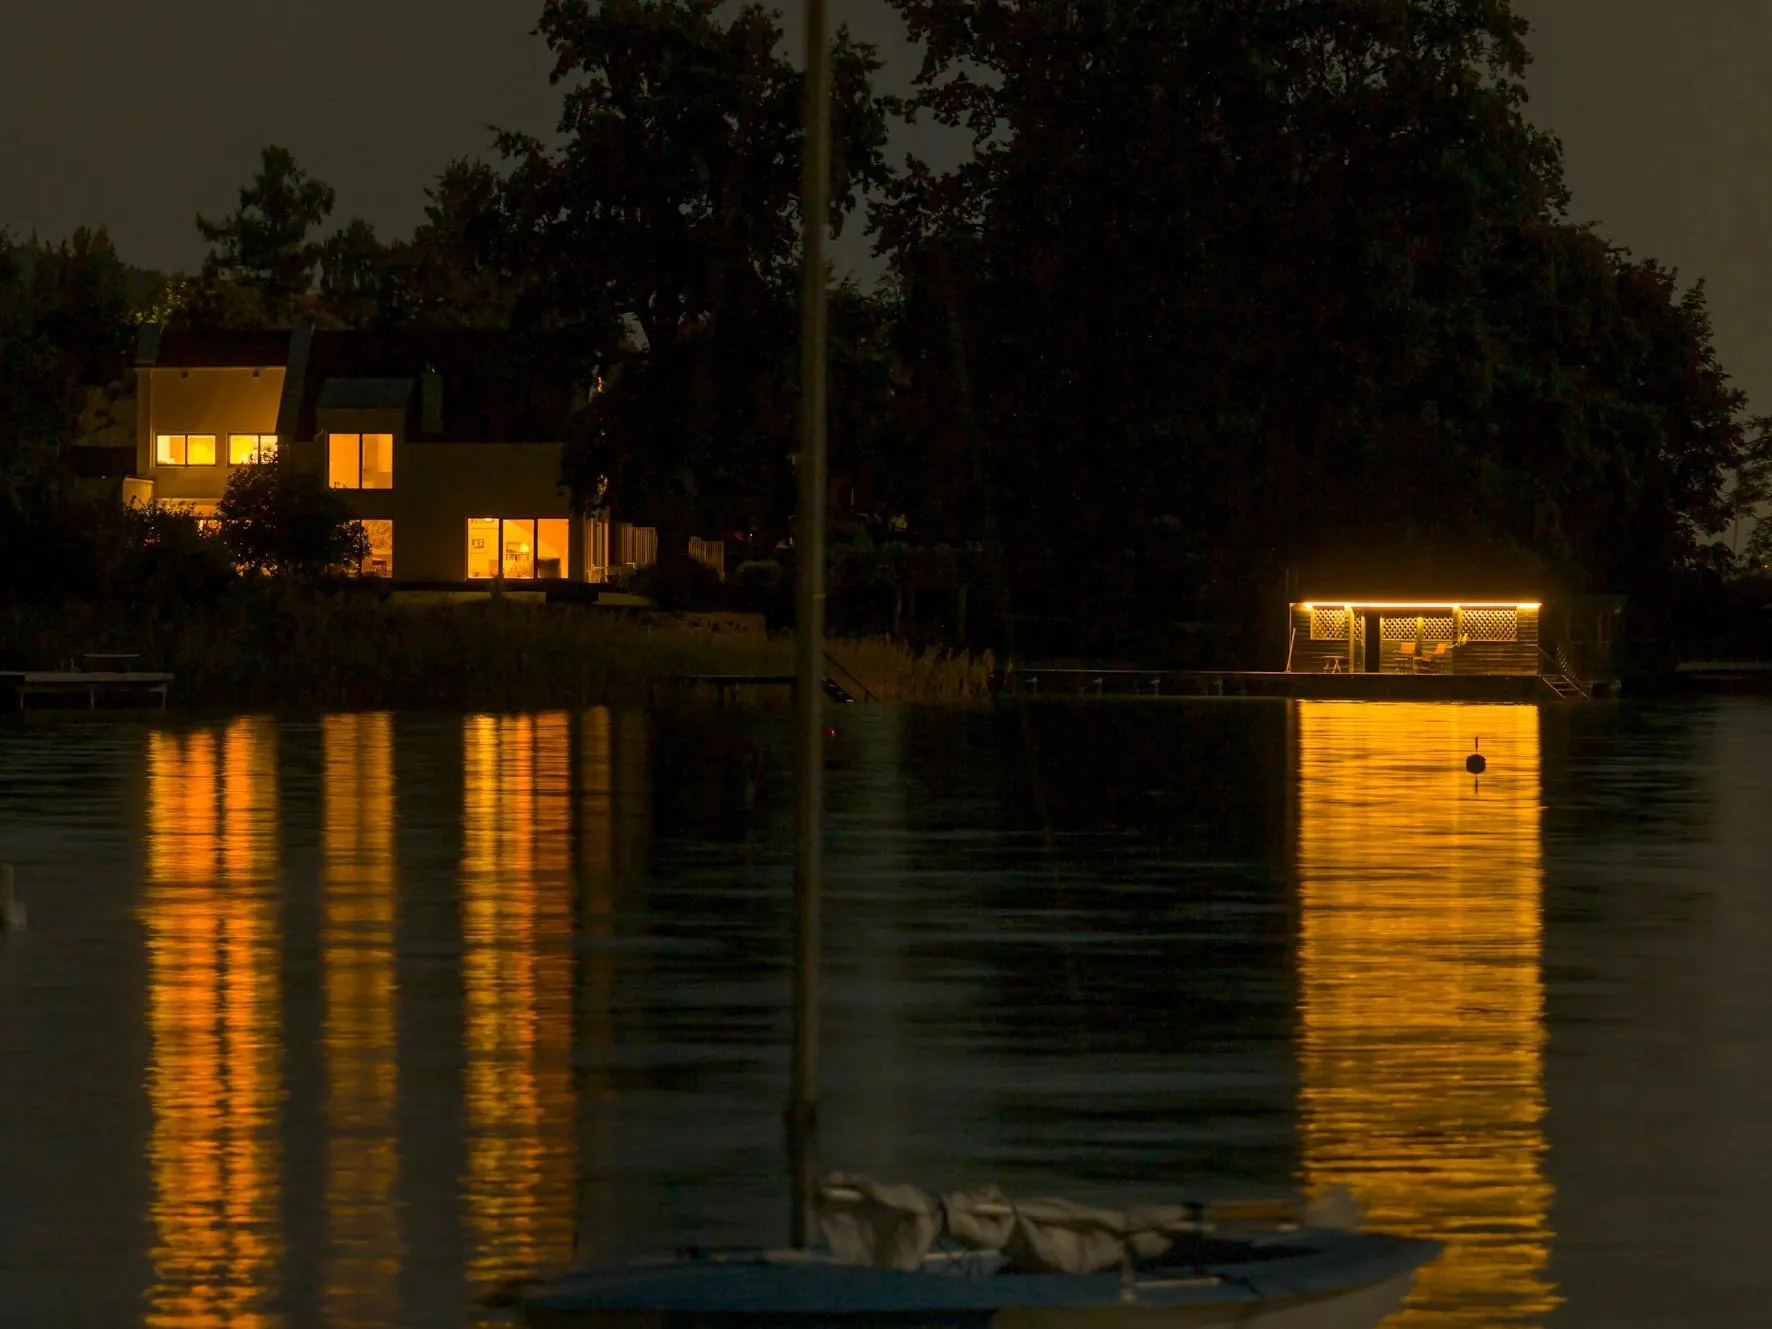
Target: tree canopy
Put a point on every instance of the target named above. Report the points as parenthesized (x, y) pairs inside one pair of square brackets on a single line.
[(1229, 286), (664, 229), (1221, 289)]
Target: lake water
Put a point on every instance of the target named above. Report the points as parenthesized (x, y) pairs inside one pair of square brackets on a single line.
[(332, 1021)]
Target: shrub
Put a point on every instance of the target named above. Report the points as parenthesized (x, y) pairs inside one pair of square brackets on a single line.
[(276, 519)]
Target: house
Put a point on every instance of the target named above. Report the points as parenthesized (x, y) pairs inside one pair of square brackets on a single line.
[(447, 444)]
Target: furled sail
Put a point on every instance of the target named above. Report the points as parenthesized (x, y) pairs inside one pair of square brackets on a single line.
[(896, 1227)]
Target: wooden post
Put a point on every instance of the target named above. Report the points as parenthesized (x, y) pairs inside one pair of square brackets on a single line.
[(802, 1114)]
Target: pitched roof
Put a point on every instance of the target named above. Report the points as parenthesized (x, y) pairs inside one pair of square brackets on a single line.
[(494, 386), (166, 349), (365, 394)]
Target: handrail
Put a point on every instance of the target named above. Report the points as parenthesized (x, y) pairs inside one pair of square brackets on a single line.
[(1291, 645), (865, 690)]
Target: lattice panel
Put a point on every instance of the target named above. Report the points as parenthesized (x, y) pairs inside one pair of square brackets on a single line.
[(1429, 628), (1492, 624), (1328, 625)]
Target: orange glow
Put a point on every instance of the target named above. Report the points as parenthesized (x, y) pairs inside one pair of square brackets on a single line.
[(214, 1022), (517, 927), (1422, 999), (1422, 604), (359, 1036)]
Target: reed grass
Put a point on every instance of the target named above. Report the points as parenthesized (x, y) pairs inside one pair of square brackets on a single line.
[(287, 650)]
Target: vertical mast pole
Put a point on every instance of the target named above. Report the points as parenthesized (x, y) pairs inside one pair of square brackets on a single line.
[(809, 638)]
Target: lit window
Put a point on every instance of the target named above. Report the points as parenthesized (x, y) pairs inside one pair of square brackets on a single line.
[(482, 548), (360, 461), (517, 548), (380, 562), (184, 449), (378, 461), (251, 449), (344, 460), (550, 548)]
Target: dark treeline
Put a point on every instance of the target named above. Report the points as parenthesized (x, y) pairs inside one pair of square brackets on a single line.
[(1221, 290)]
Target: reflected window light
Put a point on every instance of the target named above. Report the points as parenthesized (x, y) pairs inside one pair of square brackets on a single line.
[(1421, 997)]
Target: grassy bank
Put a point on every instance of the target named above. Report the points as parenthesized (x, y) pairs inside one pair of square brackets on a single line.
[(293, 651)]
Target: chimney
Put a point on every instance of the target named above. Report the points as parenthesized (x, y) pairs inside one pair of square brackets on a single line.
[(431, 402)]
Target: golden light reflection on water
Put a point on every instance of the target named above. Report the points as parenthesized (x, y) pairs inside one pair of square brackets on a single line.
[(364, 1248), (519, 1191), (1422, 998), (214, 1022)]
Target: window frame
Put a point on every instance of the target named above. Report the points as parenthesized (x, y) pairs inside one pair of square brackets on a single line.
[(264, 449), (534, 524), (362, 442), (183, 441)]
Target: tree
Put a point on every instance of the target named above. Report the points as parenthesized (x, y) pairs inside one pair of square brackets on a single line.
[(278, 520), (663, 233), (36, 409), (352, 264), (66, 329), (457, 269), (265, 245), (1235, 285)]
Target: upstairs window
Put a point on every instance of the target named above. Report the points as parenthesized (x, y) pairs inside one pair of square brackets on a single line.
[(360, 461), (251, 449), (184, 450)]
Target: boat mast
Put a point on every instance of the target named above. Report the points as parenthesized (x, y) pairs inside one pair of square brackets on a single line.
[(809, 638)]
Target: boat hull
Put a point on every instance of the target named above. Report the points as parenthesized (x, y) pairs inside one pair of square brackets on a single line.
[(1309, 1280), (1355, 1308)]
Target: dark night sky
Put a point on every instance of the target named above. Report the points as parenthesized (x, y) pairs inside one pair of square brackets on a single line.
[(139, 114)]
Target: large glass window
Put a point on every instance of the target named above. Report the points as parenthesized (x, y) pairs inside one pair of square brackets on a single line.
[(482, 548), (550, 548), (360, 461), (518, 548), (251, 449), (184, 450)]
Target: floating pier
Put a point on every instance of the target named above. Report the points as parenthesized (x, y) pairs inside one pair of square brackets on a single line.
[(67, 687), (1072, 681)]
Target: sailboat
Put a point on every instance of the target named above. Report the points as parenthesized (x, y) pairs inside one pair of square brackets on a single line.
[(863, 1254)]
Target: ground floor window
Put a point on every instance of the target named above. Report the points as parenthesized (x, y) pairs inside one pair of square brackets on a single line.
[(380, 562), (517, 548)]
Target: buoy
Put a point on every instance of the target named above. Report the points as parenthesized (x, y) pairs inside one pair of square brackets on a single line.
[(12, 909), (1475, 763)]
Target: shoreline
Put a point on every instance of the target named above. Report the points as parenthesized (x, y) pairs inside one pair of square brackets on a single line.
[(296, 652)]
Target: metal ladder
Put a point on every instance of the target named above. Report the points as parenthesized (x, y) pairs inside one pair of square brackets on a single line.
[(1562, 682)]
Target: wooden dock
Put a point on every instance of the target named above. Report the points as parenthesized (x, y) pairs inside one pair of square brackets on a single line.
[(1073, 681), (728, 685), (94, 687)]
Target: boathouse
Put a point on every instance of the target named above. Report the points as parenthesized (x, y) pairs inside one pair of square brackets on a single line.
[(1457, 635)]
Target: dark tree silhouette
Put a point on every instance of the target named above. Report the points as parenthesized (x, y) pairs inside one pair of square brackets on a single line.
[(664, 232), (266, 245)]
